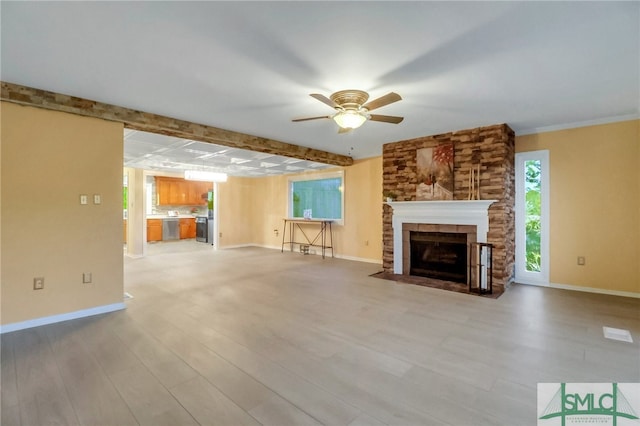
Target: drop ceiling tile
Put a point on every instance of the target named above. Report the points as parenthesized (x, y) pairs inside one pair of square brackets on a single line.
[(267, 165), (159, 152), (239, 160)]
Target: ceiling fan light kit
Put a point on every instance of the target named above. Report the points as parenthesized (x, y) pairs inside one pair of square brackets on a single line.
[(351, 109), (350, 119)]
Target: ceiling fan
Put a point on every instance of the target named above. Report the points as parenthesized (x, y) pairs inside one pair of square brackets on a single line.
[(352, 111)]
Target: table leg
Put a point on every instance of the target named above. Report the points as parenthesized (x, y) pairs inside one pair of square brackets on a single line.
[(331, 238), (284, 232), (291, 233), (323, 228)]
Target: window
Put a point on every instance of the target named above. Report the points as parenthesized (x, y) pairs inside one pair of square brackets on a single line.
[(318, 198), (532, 217)]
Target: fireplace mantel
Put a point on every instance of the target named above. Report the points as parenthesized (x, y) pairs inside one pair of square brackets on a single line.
[(455, 212)]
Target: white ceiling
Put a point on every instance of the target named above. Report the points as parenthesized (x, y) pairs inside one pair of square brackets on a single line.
[(250, 66)]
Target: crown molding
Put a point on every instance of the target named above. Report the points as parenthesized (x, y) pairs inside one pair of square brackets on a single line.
[(578, 124)]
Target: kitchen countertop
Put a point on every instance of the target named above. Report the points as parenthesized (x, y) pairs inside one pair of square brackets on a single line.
[(165, 216)]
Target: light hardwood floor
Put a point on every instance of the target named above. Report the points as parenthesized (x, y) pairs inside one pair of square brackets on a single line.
[(253, 336)]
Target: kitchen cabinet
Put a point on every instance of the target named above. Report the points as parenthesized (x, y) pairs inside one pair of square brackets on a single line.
[(187, 228), (162, 191), (184, 228), (180, 192), (192, 228), (198, 192), (154, 230)]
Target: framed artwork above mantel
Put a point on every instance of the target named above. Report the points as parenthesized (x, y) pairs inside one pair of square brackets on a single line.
[(435, 173)]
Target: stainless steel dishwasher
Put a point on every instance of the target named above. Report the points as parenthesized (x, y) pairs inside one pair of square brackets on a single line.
[(170, 229)]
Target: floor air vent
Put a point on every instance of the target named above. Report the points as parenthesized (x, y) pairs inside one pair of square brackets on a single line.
[(617, 334)]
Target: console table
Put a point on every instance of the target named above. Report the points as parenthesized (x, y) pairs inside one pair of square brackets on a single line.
[(323, 239)]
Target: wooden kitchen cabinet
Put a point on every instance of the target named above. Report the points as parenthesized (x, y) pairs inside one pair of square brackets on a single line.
[(184, 228), (197, 192), (154, 230), (203, 189), (187, 228), (180, 192), (192, 228), (162, 191)]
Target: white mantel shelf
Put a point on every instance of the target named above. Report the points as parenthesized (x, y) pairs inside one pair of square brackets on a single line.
[(454, 212), (458, 206)]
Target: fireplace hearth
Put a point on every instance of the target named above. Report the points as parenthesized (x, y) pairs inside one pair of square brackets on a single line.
[(439, 255)]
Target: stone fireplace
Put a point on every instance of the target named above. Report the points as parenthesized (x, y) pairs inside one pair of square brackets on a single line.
[(490, 219)]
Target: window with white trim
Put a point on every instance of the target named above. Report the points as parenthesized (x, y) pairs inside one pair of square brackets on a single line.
[(532, 217), (317, 197)]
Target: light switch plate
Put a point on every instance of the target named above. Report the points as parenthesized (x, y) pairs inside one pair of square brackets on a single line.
[(83, 199), (97, 199)]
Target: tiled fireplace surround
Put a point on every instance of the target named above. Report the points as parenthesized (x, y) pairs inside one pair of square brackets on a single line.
[(494, 148)]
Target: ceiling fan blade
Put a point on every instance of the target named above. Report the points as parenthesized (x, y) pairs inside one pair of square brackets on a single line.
[(386, 118), (325, 100), (310, 118), (387, 99), (344, 129)]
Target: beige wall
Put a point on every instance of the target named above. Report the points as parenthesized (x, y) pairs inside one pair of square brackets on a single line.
[(237, 199), (251, 208), (49, 159), (595, 204), (361, 235)]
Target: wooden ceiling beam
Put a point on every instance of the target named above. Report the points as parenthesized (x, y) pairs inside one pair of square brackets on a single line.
[(139, 120)]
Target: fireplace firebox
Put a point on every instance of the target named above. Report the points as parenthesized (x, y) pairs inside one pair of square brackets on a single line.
[(439, 255)]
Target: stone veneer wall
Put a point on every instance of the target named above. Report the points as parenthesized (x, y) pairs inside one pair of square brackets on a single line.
[(494, 148)]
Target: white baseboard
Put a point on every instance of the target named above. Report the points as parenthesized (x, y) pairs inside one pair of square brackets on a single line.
[(318, 252), (584, 289), (359, 259), (238, 246), (61, 317)]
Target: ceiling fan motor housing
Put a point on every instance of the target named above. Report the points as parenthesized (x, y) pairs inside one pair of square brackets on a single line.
[(350, 99)]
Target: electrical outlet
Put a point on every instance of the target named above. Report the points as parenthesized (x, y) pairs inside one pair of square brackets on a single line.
[(38, 283), (581, 260), (86, 278)]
